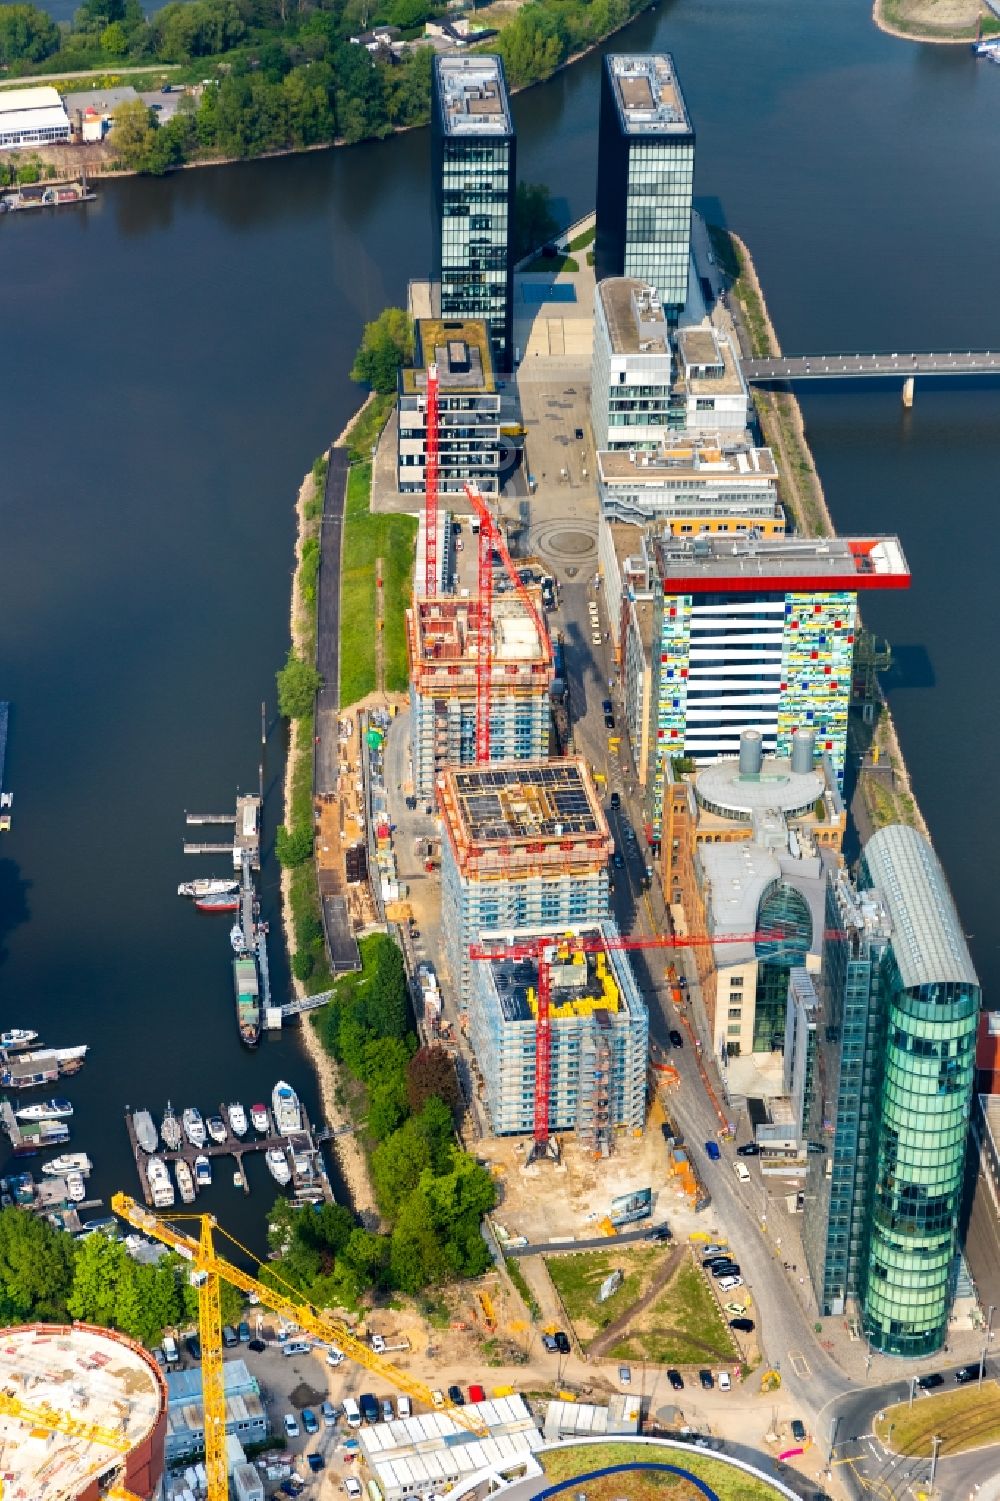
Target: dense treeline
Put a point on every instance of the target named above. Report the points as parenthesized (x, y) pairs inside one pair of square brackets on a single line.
[(283, 75)]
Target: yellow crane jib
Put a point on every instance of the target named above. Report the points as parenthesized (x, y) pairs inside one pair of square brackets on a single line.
[(44, 1416), (284, 1301)]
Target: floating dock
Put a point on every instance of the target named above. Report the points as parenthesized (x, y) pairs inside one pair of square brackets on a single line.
[(246, 832), (6, 798), (310, 1183)]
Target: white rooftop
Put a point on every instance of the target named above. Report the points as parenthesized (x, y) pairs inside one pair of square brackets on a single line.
[(12, 101)]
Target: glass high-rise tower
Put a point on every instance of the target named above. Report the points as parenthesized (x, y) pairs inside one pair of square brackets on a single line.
[(903, 1004), (473, 149), (645, 176)]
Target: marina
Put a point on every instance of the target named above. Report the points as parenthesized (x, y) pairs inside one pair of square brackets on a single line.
[(48, 195), (297, 1147)]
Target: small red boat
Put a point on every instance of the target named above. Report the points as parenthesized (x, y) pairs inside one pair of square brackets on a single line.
[(219, 902)]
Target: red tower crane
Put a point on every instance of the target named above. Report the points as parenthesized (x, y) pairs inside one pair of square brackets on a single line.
[(431, 486), (541, 949), (490, 541)]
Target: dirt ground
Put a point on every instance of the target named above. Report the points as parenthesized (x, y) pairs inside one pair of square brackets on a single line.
[(929, 20)]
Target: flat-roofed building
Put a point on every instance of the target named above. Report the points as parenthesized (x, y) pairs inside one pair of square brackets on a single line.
[(32, 117), (468, 409), (710, 390), (645, 175), (631, 381), (473, 146), (599, 1040), (429, 1453), (246, 1417), (692, 486), (525, 849), (443, 649)]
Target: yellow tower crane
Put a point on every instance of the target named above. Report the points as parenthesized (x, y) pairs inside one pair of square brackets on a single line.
[(208, 1270), (55, 1421)]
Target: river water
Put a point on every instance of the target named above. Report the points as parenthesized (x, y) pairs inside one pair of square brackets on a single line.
[(175, 355)]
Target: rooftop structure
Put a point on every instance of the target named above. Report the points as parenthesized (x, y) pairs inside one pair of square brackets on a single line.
[(90, 1377), (710, 394), (246, 1417), (468, 408), (599, 1041), (32, 117), (645, 176), (431, 1453), (686, 482), (631, 367), (461, 349), (473, 149), (709, 565), (442, 645)]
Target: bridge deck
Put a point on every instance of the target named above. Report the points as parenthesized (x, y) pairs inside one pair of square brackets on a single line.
[(855, 366)]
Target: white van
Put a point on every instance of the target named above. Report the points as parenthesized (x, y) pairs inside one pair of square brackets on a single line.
[(742, 1171), (170, 1350), (352, 1412)]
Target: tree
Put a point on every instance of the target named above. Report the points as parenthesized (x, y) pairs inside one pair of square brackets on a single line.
[(114, 39), (36, 1267), (103, 1270), (534, 222), (431, 1072), (417, 1258), (27, 34), (397, 1165), (409, 13), (298, 685), (386, 345), (132, 135), (293, 846)]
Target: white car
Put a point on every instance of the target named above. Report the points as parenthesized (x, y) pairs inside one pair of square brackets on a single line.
[(334, 1356), (729, 1284), (725, 1382), (296, 1347), (291, 1425), (378, 1344), (352, 1486), (404, 1407), (742, 1171)]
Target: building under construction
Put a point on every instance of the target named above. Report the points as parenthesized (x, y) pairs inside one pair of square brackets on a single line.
[(443, 646), (525, 850), (599, 1039)]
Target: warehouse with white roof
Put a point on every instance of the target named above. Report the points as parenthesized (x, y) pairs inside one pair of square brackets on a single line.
[(431, 1452), (32, 117)]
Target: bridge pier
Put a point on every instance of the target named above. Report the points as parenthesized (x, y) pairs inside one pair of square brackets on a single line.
[(908, 392)]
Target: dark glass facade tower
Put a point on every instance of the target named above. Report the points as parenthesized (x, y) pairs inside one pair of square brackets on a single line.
[(645, 176), (474, 160)]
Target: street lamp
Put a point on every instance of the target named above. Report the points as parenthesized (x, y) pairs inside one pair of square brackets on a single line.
[(913, 1387), (935, 1445), (986, 1343)]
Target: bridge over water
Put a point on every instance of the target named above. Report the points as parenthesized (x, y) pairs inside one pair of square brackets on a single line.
[(905, 367)]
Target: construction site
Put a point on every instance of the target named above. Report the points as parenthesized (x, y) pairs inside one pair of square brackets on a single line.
[(444, 642)]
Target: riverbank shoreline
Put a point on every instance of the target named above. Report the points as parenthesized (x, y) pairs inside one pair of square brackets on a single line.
[(886, 734), (878, 17)]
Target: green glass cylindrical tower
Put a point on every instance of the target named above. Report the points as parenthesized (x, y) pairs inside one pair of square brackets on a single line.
[(932, 999)]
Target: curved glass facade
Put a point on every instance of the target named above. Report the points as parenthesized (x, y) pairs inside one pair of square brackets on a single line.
[(782, 911)]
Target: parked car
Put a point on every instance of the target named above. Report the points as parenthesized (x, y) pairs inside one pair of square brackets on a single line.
[(719, 1258), (798, 1430), (676, 1040), (352, 1487), (456, 1395), (660, 1232), (229, 1336), (707, 1379), (388, 1413), (609, 721), (715, 1248), (309, 1420), (369, 1407), (676, 1380), (625, 1375), (725, 1382), (616, 800), (748, 1149), (549, 1343), (743, 1326), (562, 1342), (712, 1150), (728, 1284), (929, 1382), (334, 1356), (726, 1269), (329, 1413), (967, 1373), (193, 1345), (607, 707), (437, 1397), (291, 1425), (742, 1171), (316, 1462), (257, 1345), (244, 1333), (296, 1347), (404, 1407), (476, 1393)]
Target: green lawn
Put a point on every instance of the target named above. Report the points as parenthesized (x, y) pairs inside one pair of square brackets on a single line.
[(366, 538), (683, 1327), (584, 239), (577, 1279), (728, 1483), (553, 263), (965, 1419)]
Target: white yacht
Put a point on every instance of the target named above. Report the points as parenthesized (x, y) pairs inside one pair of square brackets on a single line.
[(160, 1186), (237, 1119), (194, 1126), (277, 1166), (185, 1181), (286, 1107), (68, 1162), (46, 1110)]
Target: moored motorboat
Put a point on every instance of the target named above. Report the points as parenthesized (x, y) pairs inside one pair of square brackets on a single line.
[(277, 1166), (194, 1126), (185, 1181), (237, 939), (286, 1107), (170, 1129), (216, 1128), (203, 1172), (16, 1039), (208, 886), (260, 1120), (68, 1162), (46, 1110), (160, 1186), (237, 1118), (145, 1130), (221, 902), (237, 1179), (75, 1187)]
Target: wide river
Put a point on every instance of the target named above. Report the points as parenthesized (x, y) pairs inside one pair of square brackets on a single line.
[(175, 355)]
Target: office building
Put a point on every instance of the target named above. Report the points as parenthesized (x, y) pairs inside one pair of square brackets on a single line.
[(468, 409), (693, 486), (599, 1033), (473, 149), (246, 1417), (903, 999), (524, 850), (711, 396), (757, 634), (645, 176), (443, 649), (631, 366)]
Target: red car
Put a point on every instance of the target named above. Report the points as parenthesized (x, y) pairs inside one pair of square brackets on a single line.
[(476, 1394)]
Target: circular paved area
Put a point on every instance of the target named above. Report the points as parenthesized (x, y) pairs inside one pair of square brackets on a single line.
[(565, 542)]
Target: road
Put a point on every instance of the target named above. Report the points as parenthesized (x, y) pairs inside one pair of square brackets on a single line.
[(150, 67)]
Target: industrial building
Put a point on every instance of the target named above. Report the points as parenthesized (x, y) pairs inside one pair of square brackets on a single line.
[(442, 643), (32, 117), (903, 1000), (95, 1410), (474, 165), (525, 850), (599, 1041), (645, 175), (246, 1417), (468, 409), (692, 487), (757, 634), (430, 1453)]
